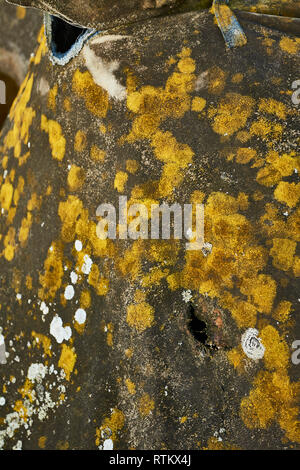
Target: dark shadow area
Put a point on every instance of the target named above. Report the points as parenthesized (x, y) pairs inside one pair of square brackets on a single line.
[(9, 90), (197, 327), (64, 35)]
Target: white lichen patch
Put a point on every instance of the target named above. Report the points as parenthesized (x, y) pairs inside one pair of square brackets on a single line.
[(78, 245), (187, 296), (37, 372), (58, 331), (80, 316), (44, 308), (87, 265), (69, 292), (74, 277), (252, 345), (45, 396)]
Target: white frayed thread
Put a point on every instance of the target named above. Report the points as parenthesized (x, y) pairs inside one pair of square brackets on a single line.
[(252, 345)]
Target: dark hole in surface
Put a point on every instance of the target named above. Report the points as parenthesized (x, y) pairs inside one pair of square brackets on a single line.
[(196, 326), (9, 89), (64, 35)]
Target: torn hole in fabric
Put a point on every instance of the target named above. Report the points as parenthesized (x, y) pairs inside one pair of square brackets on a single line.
[(65, 40)]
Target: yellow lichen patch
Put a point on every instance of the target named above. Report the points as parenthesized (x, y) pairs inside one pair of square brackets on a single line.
[(245, 155), (288, 193), (130, 386), (42, 49), (236, 357), (214, 444), (85, 299), (266, 129), (152, 107), (34, 202), (100, 284), (28, 282), (120, 181), (111, 426), (132, 166), (128, 353), (244, 314), (52, 278), (10, 244), (277, 166), (140, 316), (282, 311), (154, 277), (96, 98), (44, 341), (273, 398), (67, 360), (277, 353), (282, 252), (62, 445), (198, 104), (56, 138), (109, 334), (26, 390), (19, 190), (80, 142), (21, 13), (6, 195), (296, 266), (231, 114), (22, 117), (289, 45), (21, 410), (271, 106), (146, 406), (42, 442), (52, 98), (261, 291), (186, 65), (237, 78), (69, 212), (97, 154), (216, 80), (76, 178), (25, 228)]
